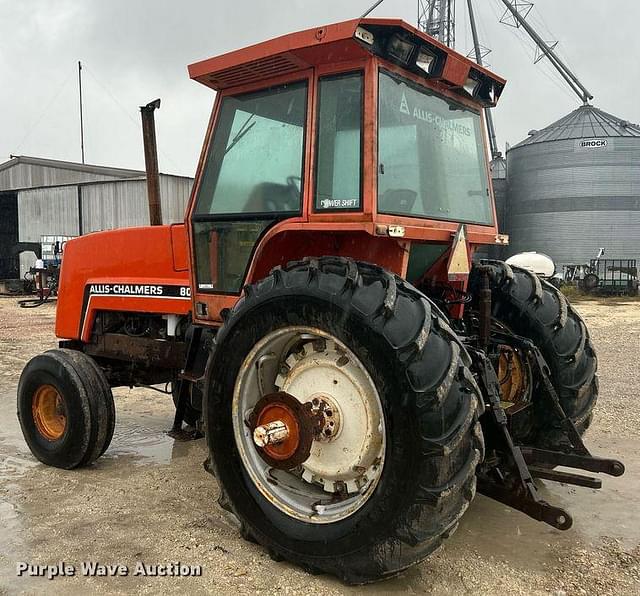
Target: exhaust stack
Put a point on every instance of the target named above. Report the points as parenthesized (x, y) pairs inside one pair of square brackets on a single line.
[(151, 161)]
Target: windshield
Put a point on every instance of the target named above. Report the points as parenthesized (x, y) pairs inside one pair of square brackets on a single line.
[(431, 158)]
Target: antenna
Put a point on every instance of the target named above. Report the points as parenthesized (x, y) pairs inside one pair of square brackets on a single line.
[(480, 53), (518, 11), (437, 18), (370, 10), (81, 118)]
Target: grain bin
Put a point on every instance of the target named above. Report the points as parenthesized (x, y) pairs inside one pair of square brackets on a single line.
[(574, 187)]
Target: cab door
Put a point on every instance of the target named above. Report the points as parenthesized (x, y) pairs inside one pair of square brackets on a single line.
[(252, 178)]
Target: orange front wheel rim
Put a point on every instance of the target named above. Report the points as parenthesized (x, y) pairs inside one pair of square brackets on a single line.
[(49, 412)]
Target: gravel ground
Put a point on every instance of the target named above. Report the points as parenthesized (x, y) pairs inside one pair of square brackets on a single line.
[(149, 499)]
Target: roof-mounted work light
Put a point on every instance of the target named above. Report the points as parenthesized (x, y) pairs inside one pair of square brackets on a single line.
[(427, 58), (403, 48), (363, 35), (400, 49), (472, 84), (426, 61), (479, 86)]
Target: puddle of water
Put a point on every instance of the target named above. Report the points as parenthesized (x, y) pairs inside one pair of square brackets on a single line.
[(9, 514), (14, 466), (612, 510), (144, 442), (11, 537), (147, 443)]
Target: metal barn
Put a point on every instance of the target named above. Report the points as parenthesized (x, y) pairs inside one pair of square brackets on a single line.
[(574, 187), (57, 198)]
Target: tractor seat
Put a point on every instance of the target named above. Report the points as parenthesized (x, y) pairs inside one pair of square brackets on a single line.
[(270, 197)]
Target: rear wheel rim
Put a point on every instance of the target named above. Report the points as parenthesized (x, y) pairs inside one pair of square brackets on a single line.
[(342, 472), (512, 375), (49, 412)]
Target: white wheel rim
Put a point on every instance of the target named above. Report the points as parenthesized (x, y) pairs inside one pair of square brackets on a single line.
[(341, 473)]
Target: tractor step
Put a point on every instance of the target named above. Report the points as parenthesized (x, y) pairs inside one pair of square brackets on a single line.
[(191, 372)]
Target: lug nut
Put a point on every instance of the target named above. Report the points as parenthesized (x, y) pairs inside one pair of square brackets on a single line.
[(271, 433)]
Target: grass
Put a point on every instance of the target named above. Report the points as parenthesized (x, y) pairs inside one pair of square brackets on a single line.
[(575, 294)]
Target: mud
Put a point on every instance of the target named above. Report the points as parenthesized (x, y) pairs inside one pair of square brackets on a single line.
[(149, 499)]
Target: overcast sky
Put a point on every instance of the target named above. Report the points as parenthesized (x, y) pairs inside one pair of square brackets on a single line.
[(136, 50)]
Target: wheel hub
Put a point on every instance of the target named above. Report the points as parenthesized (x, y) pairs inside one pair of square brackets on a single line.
[(345, 452), (309, 424), (283, 430), (327, 413)]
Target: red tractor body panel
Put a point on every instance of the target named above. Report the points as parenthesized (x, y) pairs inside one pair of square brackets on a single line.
[(135, 270)]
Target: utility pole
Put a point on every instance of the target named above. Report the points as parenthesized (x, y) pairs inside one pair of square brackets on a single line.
[(493, 143), (151, 161), (576, 86), (81, 116)]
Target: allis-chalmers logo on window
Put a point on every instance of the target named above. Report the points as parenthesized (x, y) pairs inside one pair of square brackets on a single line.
[(435, 119)]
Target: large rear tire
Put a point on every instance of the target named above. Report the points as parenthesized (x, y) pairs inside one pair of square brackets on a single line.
[(429, 402), (535, 309), (65, 408)]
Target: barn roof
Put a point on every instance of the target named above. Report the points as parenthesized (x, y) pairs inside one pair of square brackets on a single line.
[(69, 165)]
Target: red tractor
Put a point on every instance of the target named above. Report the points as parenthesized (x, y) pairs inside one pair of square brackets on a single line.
[(320, 314)]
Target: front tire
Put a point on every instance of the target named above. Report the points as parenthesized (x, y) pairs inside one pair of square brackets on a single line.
[(65, 408), (428, 399)]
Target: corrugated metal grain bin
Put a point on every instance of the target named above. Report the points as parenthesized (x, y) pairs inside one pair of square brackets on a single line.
[(574, 187)]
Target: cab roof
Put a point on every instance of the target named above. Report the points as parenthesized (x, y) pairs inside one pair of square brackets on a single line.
[(322, 45)]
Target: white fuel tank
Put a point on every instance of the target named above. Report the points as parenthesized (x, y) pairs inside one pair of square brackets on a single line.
[(536, 262)]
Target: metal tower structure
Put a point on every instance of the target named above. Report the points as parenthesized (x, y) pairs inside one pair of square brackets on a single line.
[(437, 18)]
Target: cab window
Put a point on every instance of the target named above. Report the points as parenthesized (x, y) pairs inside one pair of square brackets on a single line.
[(255, 160), (252, 179), (339, 142)]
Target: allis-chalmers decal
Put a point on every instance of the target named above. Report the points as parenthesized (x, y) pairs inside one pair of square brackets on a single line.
[(140, 290)]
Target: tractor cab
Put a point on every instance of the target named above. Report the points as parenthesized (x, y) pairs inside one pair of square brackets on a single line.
[(368, 135)]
